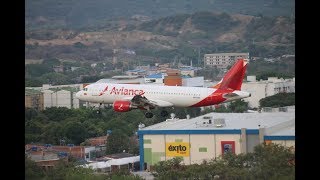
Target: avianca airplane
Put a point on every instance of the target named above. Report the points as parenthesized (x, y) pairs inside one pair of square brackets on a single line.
[(126, 97)]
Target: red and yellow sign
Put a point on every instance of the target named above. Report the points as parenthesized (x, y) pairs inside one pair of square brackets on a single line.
[(174, 149)]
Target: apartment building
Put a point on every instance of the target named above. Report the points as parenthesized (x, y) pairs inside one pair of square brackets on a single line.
[(223, 60)]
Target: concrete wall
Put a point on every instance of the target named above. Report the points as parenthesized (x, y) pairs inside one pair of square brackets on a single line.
[(252, 141), (64, 98), (193, 82), (75, 101), (158, 81), (48, 99), (202, 141), (34, 101), (154, 148), (60, 98), (87, 151), (187, 72), (257, 90)]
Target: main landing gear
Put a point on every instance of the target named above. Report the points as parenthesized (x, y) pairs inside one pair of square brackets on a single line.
[(148, 114)]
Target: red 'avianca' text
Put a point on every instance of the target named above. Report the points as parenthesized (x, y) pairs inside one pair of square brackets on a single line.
[(124, 91)]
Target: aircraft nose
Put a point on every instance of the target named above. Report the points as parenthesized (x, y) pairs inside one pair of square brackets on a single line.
[(78, 94)]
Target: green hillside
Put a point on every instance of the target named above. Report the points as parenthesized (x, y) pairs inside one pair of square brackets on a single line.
[(179, 36), (83, 13)]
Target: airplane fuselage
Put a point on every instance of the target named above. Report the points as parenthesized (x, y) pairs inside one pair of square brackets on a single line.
[(164, 96)]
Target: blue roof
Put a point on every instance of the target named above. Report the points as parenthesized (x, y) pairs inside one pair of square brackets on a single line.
[(157, 76), (137, 70), (186, 76), (190, 68)]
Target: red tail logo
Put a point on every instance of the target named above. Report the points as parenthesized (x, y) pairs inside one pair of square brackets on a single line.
[(233, 78)]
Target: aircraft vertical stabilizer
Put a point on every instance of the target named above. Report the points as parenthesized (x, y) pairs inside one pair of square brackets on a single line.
[(233, 78)]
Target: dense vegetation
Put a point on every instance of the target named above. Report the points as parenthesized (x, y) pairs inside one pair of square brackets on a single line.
[(266, 162), (76, 125), (278, 100), (44, 73), (283, 68), (83, 13), (184, 36), (237, 106)]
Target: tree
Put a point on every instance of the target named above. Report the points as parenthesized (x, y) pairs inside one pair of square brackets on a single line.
[(133, 146), (30, 113), (222, 109), (36, 70), (32, 170), (33, 82), (58, 113), (271, 161), (54, 78), (52, 133), (51, 62), (117, 142), (278, 100), (75, 132), (168, 169), (238, 106)]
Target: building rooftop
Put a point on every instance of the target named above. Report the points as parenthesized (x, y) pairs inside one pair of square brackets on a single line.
[(71, 89), (157, 76), (112, 162), (186, 76), (137, 70), (119, 155), (124, 77), (275, 123), (29, 91), (190, 68), (289, 131), (122, 81)]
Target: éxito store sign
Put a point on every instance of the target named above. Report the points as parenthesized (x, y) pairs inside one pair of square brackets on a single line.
[(174, 149)]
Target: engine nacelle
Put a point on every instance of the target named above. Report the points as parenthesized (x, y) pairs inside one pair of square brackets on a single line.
[(122, 106)]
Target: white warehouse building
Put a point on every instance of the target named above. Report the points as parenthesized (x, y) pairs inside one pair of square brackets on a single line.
[(211, 135), (262, 89), (62, 98)]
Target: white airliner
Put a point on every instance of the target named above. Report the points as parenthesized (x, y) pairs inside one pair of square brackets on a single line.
[(126, 97)]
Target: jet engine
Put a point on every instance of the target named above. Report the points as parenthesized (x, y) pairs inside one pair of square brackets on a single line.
[(122, 106)]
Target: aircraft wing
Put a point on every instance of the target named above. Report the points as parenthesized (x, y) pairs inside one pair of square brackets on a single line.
[(142, 102)]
